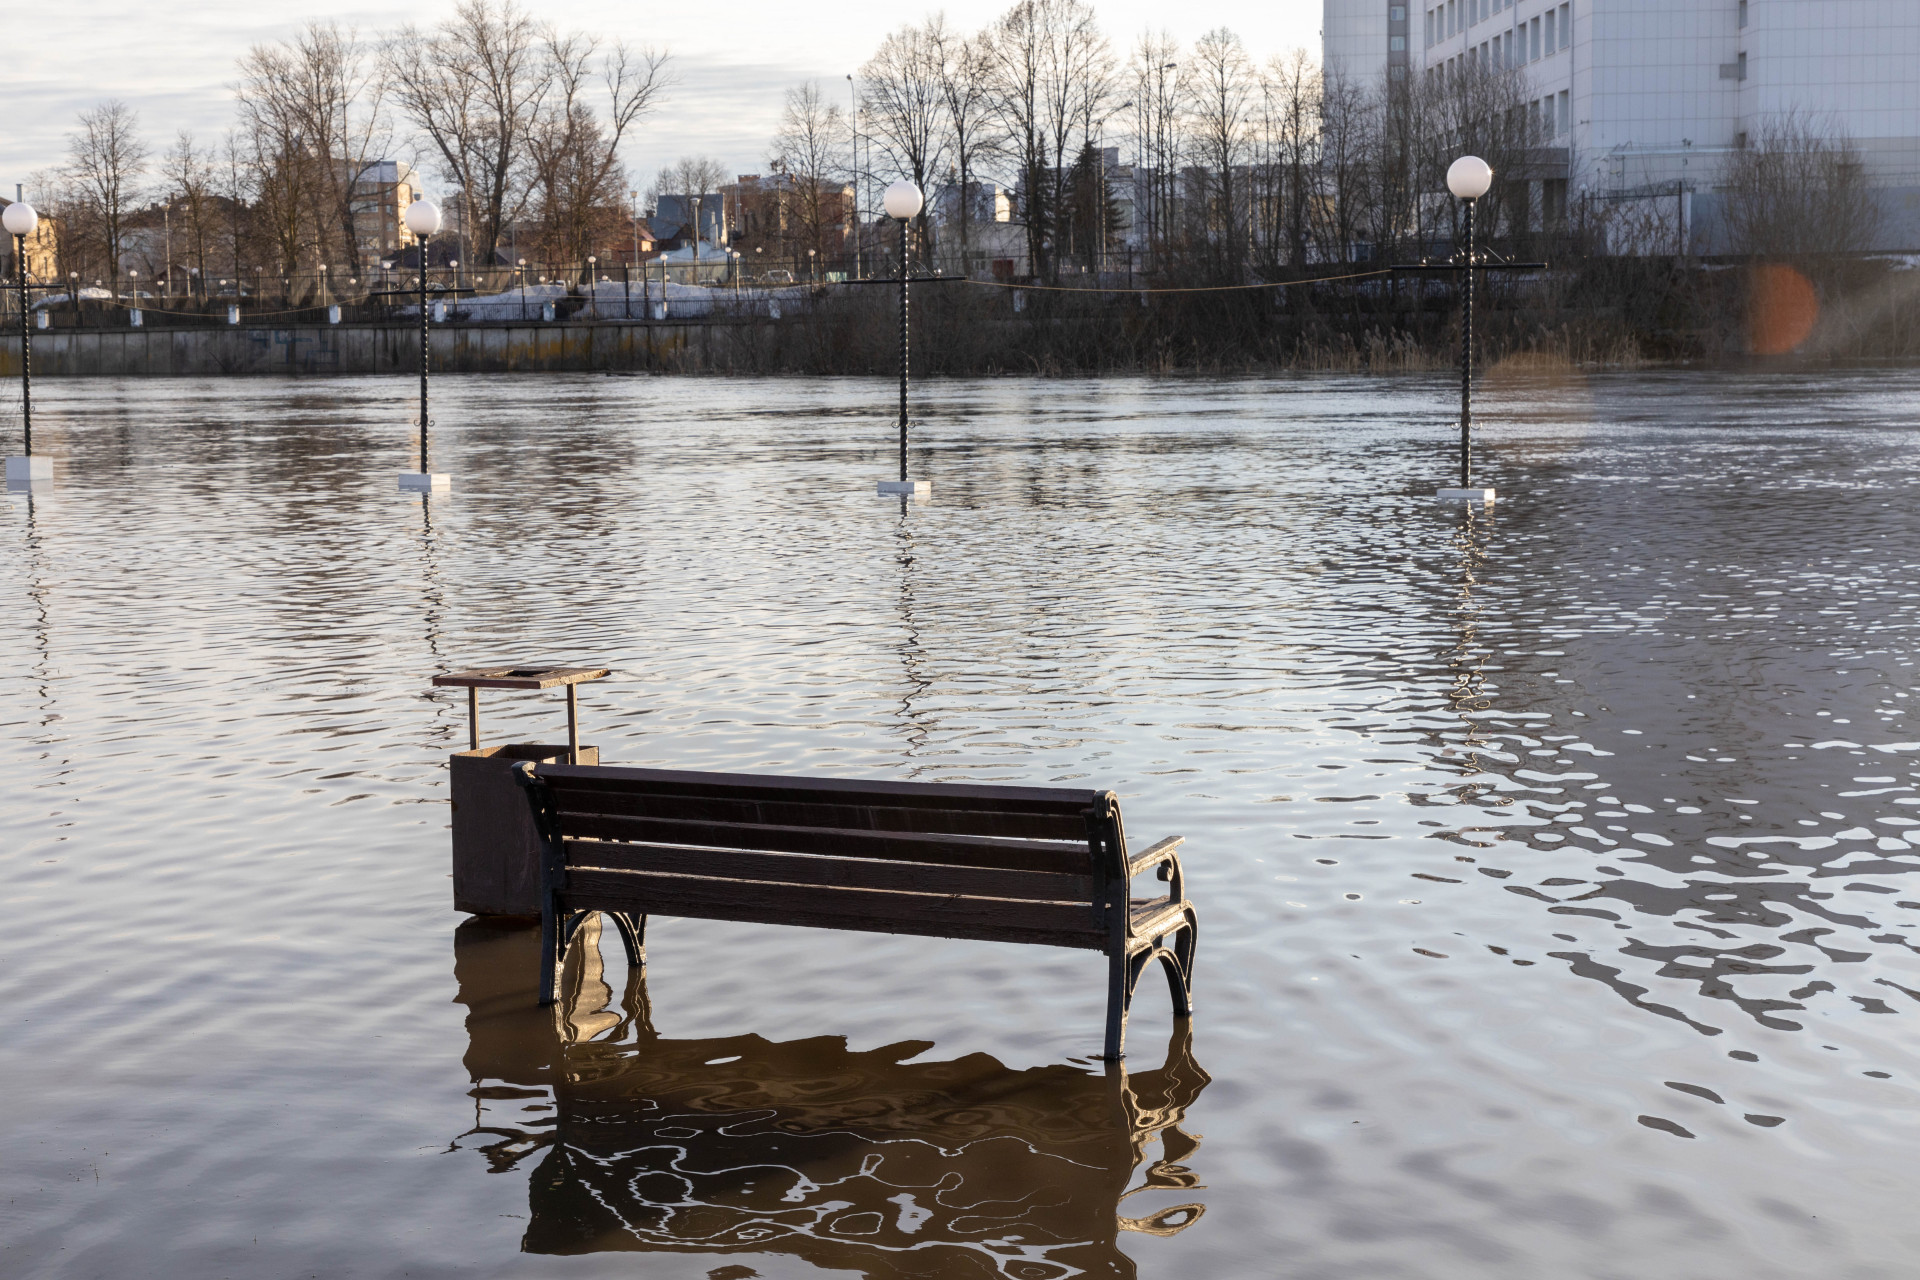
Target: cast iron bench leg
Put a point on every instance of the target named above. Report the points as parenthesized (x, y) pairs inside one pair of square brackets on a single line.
[(1178, 960), (633, 936)]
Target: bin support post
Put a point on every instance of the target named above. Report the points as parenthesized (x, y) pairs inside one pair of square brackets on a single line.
[(473, 718), (573, 726)]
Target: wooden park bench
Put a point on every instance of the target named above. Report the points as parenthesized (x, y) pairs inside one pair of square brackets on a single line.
[(1040, 865)]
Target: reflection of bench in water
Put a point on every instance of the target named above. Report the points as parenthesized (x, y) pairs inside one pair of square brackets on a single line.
[(855, 1161)]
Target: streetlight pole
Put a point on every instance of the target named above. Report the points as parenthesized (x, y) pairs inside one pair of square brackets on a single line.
[(20, 221), (1468, 178), (905, 348), (902, 201), (426, 347), (423, 219), (1466, 356)]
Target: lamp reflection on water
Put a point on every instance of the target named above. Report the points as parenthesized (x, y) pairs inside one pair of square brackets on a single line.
[(877, 1162)]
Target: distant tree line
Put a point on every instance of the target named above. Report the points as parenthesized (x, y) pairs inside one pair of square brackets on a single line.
[(1233, 171), (523, 121)]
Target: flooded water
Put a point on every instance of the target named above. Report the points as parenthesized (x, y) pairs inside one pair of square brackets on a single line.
[(1558, 915)]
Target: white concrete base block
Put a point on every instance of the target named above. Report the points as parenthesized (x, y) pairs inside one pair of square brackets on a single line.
[(907, 488), (25, 473), (1465, 495), (425, 482)]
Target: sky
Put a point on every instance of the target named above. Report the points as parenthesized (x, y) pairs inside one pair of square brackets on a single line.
[(175, 63)]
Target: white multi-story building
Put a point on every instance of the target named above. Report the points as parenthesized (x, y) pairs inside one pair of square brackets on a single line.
[(1652, 95)]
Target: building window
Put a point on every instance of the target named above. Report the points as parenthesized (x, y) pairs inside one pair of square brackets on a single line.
[(1396, 44), (1566, 25), (1742, 64), (1429, 28), (1743, 12), (1551, 24), (1533, 41), (1398, 13), (1565, 103)]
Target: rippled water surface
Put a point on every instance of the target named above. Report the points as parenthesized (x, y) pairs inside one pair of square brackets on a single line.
[(1558, 912)]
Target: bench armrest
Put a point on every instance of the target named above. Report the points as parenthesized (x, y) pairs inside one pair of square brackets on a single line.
[(1161, 853)]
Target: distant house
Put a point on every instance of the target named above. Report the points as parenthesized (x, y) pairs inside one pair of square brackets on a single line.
[(674, 217), (381, 193), (985, 202), (43, 250), (773, 212)]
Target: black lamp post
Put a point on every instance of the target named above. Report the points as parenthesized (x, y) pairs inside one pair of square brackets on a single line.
[(423, 219), (1468, 178), (20, 221), (902, 202)]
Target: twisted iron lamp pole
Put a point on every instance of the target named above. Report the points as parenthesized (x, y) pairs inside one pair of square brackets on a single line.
[(903, 201), (423, 219), (20, 221)]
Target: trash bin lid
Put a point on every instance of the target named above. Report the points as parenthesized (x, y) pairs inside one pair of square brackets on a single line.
[(525, 676)]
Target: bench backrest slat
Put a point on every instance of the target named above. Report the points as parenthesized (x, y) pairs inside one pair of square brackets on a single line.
[(800, 868), (904, 795), (1030, 813), (1065, 857)]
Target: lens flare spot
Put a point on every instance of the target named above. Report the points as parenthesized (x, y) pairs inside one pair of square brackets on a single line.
[(1781, 309)]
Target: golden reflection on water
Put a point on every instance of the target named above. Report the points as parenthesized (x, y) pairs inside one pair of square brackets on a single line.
[(877, 1162)]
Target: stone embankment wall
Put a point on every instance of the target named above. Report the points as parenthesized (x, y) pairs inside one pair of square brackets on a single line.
[(348, 348)]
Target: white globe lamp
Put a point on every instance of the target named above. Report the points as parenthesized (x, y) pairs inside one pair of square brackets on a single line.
[(423, 218), (1469, 177), (20, 219), (903, 200)]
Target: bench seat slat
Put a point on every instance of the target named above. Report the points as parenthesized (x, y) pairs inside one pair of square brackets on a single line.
[(572, 800), (772, 788), (1155, 916), (871, 910), (846, 873), (1063, 857)]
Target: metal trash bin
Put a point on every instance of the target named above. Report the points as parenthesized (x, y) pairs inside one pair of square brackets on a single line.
[(496, 848)]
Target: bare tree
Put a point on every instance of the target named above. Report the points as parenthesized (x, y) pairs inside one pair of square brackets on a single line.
[(190, 176), (1475, 109), (964, 67), (1159, 102), (906, 105), (233, 182), (474, 88), (1799, 188), (105, 158), (1053, 74), (58, 198), (1291, 122), (321, 92), (1223, 102), (1349, 118), (575, 148), (803, 151)]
